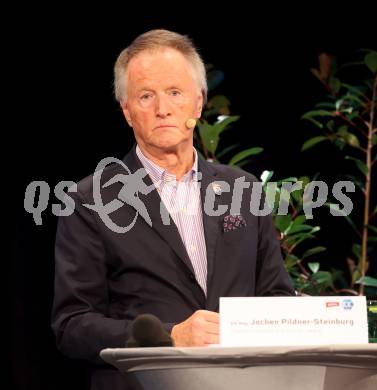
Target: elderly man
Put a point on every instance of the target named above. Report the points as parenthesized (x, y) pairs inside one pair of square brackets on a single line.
[(176, 269)]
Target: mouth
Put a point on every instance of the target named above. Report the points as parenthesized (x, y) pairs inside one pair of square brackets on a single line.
[(164, 126)]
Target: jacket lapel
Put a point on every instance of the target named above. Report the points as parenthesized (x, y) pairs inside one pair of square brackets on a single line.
[(152, 201), (211, 224)]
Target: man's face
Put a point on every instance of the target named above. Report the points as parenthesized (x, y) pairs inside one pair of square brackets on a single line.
[(162, 95)]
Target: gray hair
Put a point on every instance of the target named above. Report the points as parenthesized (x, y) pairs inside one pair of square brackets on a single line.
[(153, 40)]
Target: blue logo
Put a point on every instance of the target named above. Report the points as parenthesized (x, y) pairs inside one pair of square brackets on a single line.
[(347, 304)]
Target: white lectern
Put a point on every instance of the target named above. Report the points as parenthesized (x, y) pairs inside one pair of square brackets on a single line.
[(332, 367)]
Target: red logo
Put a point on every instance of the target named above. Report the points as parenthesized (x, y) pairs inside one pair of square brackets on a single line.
[(332, 304)]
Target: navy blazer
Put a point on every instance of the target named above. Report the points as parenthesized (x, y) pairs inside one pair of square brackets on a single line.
[(103, 279)]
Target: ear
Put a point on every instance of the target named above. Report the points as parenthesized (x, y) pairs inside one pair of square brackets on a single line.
[(199, 106), (126, 112)]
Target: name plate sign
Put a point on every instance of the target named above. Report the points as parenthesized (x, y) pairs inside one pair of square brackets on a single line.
[(281, 321)]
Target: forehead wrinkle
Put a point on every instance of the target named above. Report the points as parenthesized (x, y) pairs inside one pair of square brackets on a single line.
[(142, 69)]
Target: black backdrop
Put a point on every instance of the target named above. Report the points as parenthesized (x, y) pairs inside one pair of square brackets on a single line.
[(64, 119)]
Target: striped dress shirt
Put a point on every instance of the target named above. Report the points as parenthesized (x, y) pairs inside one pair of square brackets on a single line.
[(182, 200)]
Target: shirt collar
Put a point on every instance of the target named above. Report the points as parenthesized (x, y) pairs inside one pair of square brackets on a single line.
[(159, 174)]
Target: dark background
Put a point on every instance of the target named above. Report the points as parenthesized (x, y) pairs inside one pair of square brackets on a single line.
[(64, 119)]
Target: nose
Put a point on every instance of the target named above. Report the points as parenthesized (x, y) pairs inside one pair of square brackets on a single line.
[(163, 108)]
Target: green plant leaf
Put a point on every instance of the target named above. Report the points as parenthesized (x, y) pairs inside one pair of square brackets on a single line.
[(374, 139), (356, 250), (323, 277), (353, 63), (330, 124), (340, 143), (245, 153), (320, 113), (224, 121), (360, 164), (306, 180), (300, 228), (314, 267), (369, 84), (329, 105), (372, 228), (342, 130), (299, 220), (353, 98), (282, 222), (209, 136), (371, 61), (352, 140), (338, 104), (226, 150), (334, 207), (317, 123), (313, 251), (290, 261), (367, 281), (297, 197), (297, 239), (312, 141), (347, 110), (296, 228), (359, 91), (244, 162), (285, 196), (356, 275), (352, 116), (315, 229), (335, 84), (287, 179), (266, 176), (356, 181)]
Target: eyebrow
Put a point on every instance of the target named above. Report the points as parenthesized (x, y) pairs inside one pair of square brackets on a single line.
[(146, 89)]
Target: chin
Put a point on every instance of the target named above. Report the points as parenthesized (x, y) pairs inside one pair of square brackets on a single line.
[(167, 144), (169, 141)]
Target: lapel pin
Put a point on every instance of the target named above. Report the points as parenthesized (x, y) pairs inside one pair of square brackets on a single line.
[(216, 188)]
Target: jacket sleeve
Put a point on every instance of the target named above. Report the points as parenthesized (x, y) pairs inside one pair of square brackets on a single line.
[(80, 317)]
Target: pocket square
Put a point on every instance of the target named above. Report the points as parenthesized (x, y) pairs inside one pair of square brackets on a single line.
[(233, 222)]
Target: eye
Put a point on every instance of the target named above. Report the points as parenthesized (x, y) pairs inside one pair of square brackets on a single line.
[(175, 92), (146, 96)]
